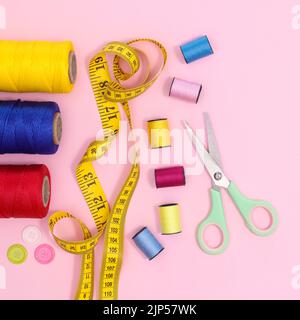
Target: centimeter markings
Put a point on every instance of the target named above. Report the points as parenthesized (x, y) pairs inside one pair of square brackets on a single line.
[(114, 247), (86, 283), (110, 118), (107, 94), (109, 111), (91, 189)]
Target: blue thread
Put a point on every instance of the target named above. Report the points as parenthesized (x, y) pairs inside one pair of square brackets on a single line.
[(196, 49), (27, 127), (147, 243)]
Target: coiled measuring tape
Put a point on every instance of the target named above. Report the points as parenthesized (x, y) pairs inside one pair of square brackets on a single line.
[(108, 94)]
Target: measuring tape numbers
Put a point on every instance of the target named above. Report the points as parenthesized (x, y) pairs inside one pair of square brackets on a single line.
[(108, 93)]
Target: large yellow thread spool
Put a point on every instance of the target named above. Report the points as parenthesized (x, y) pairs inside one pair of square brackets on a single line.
[(37, 66), (169, 215), (159, 133)]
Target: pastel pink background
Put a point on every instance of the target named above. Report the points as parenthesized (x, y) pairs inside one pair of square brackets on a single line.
[(250, 89)]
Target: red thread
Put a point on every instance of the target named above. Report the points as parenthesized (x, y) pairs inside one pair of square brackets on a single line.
[(169, 177), (21, 191)]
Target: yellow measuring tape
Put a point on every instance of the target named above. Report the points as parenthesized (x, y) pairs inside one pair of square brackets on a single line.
[(107, 94)]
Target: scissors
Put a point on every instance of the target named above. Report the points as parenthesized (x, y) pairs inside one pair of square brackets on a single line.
[(212, 162)]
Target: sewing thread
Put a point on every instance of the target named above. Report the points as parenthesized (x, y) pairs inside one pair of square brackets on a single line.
[(185, 90), (159, 133), (169, 177), (24, 191), (29, 127), (196, 49), (169, 216), (37, 66), (147, 243)]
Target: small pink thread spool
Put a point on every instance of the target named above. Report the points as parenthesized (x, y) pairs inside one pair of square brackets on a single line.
[(169, 177), (185, 90)]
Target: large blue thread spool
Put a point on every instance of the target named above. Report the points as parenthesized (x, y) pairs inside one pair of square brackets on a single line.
[(29, 127), (147, 243), (196, 49)]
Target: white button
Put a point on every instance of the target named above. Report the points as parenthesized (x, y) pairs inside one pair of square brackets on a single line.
[(31, 235)]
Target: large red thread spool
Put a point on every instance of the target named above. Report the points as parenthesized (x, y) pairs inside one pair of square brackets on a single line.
[(24, 191)]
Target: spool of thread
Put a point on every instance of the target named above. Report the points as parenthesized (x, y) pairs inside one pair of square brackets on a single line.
[(169, 177), (159, 133), (186, 90), (147, 243), (37, 66), (29, 127), (169, 215), (25, 191), (196, 49)]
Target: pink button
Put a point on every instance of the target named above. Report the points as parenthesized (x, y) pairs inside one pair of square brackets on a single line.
[(44, 253)]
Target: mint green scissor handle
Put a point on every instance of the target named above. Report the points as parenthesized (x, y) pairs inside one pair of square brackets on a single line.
[(246, 206), (215, 218)]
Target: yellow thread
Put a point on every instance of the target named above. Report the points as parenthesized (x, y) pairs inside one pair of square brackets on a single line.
[(35, 66), (159, 134), (107, 93), (169, 215)]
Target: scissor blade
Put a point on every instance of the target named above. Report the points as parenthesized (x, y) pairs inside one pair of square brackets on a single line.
[(212, 141), (215, 172)]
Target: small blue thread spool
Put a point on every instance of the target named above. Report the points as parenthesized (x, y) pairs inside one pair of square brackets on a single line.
[(147, 243), (196, 49)]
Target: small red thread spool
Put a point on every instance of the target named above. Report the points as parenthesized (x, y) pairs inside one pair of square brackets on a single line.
[(24, 191), (169, 177)]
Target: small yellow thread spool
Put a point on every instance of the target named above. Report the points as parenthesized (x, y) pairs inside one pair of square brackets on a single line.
[(159, 133), (169, 215), (37, 66)]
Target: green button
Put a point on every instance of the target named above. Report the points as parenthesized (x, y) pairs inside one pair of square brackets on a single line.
[(16, 254)]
